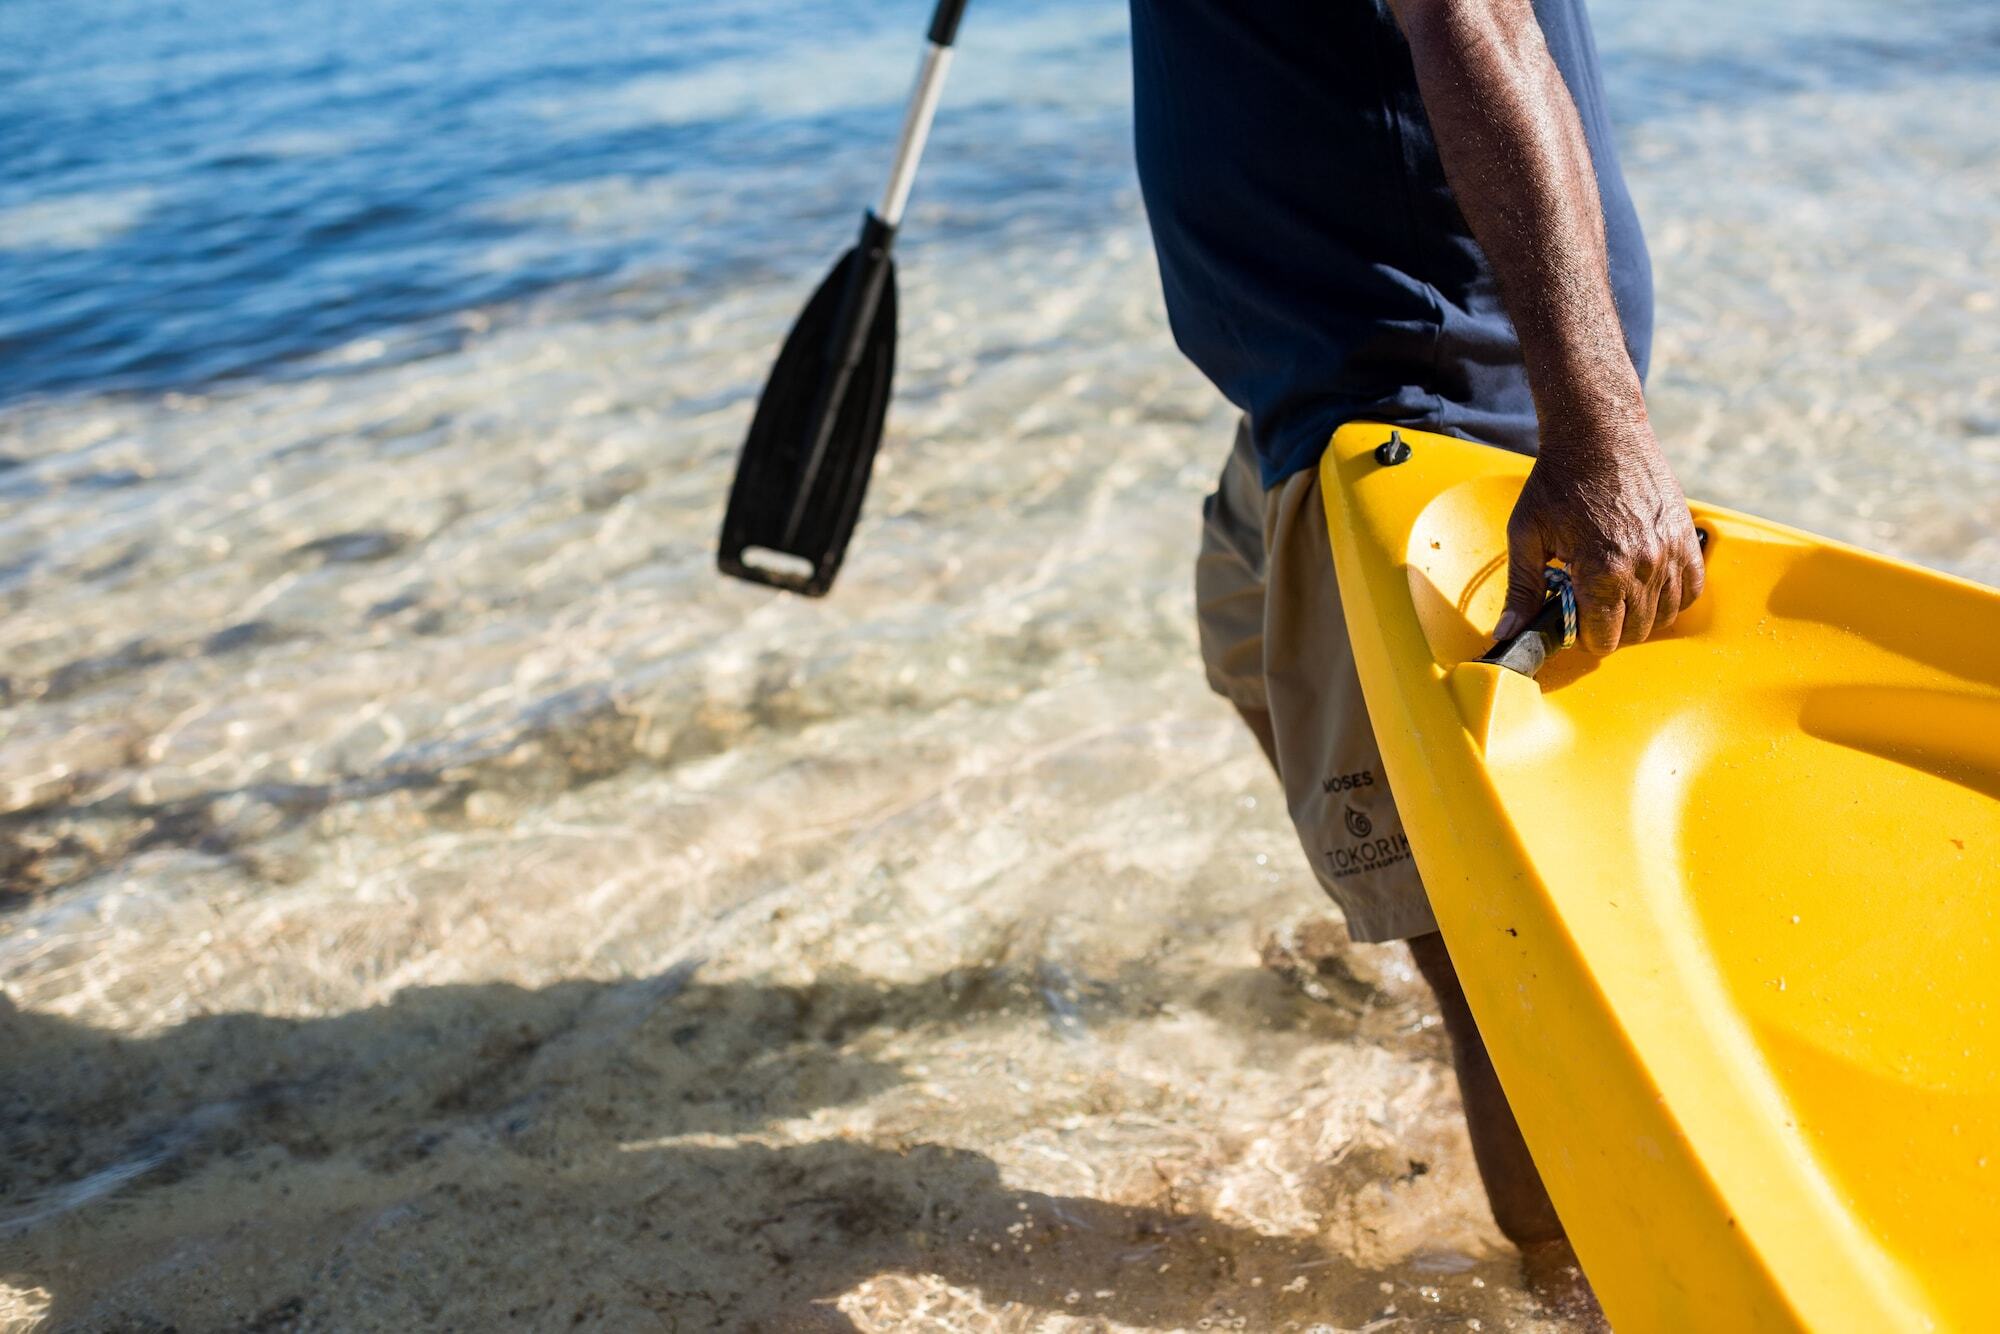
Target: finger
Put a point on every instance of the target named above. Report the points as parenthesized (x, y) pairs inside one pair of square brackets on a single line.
[(1527, 557), (1694, 577), (1639, 615), (1599, 622), (1669, 607)]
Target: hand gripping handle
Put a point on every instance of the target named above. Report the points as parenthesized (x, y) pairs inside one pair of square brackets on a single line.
[(1554, 626)]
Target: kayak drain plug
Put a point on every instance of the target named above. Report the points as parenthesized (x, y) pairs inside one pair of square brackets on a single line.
[(1392, 451)]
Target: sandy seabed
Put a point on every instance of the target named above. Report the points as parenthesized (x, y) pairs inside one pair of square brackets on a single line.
[(434, 899)]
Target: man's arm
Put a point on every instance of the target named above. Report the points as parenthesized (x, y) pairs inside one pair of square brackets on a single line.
[(1601, 496)]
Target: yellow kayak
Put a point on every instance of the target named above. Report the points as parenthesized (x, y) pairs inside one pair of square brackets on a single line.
[(1726, 904)]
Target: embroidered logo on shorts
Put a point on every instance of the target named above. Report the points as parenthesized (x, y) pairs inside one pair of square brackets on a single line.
[(1368, 851), (1373, 854)]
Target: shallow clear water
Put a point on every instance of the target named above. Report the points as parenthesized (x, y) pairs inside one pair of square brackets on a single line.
[(400, 820)]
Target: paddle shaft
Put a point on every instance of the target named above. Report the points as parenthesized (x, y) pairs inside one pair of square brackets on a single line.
[(923, 107), (869, 267)]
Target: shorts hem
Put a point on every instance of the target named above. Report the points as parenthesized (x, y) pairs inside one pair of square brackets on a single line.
[(1403, 912)]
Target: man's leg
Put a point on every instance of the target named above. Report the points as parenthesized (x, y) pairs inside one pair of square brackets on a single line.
[(1275, 645), (1514, 1190), (1521, 1204)]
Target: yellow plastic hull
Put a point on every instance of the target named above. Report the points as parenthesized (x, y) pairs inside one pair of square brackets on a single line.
[(1724, 903)]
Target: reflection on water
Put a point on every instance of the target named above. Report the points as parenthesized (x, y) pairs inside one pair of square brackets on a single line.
[(399, 818)]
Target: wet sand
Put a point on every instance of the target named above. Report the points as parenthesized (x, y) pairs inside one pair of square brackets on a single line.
[(435, 899)]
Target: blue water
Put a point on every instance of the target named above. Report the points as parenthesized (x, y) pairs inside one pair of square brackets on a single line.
[(208, 189)]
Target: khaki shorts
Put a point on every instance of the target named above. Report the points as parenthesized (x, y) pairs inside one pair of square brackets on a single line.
[(1273, 637)]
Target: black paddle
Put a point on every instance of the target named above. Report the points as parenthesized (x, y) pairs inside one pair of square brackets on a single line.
[(804, 467)]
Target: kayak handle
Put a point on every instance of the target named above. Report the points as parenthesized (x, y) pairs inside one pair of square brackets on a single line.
[(1547, 633)]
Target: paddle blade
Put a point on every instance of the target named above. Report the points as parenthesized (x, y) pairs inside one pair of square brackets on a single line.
[(788, 521)]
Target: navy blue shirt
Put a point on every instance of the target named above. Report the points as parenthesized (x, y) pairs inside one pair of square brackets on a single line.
[(1316, 266)]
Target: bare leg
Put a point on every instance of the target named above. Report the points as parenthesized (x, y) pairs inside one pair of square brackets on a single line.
[(1520, 1203), (1514, 1189)]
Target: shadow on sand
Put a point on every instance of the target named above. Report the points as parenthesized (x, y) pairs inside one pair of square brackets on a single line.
[(608, 1154)]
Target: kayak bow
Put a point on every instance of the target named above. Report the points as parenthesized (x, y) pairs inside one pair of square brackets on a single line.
[(1724, 903)]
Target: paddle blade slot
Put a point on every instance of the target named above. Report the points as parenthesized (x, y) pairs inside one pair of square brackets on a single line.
[(778, 564)]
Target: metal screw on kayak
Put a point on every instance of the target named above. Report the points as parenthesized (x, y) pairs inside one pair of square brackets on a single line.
[(1392, 451)]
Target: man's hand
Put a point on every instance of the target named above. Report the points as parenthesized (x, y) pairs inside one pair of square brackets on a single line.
[(1613, 513), (1601, 497)]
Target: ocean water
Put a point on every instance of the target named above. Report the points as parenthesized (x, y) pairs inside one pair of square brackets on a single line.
[(429, 893)]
